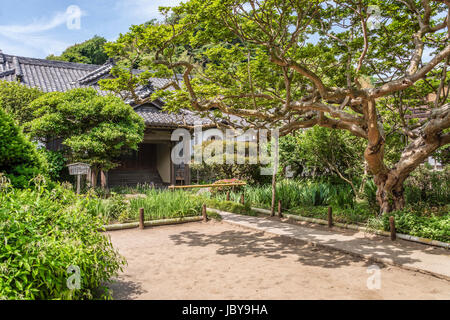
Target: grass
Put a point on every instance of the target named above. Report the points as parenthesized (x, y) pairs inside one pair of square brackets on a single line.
[(307, 199), (294, 193), (360, 214), (160, 204), (312, 199), (157, 204)]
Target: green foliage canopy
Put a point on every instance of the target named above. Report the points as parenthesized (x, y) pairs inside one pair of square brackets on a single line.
[(90, 51), (16, 97), (322, 151), (349, 65), (19, 159), (95, 129)]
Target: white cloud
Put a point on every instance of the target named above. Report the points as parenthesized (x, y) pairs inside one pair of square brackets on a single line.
[(30, 40), (143, 9)]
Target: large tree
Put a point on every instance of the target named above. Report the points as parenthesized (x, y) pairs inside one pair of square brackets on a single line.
[(90, 51), (355, 65), (94, 129)]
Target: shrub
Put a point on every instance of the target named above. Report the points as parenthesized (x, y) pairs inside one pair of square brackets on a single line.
[(94, 129), (44, 232), (16, 98), (430, 186), (19, 159), (56, 165), (421, 223)]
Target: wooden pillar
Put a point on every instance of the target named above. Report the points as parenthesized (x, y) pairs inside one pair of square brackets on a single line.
[(104, 179), (94, 176)]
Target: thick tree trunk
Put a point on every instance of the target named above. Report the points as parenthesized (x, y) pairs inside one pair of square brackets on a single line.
[(104, 179), (94, 177), (390, 194)]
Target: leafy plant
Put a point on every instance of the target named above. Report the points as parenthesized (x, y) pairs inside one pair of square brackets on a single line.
[(44, 231), (19, 159), (411, 221), (15, 99), (94, 129), (56, 164)]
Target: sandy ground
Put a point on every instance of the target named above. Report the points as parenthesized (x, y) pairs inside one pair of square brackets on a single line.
[(215, 260)]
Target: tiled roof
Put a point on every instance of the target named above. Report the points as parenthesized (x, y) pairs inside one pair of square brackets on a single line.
[(47, 75), (51, 76), (154, 117)]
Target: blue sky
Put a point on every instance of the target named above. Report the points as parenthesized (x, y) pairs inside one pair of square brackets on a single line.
[(34, 28)]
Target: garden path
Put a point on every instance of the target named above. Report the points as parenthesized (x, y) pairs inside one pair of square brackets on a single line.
[(401, 253)]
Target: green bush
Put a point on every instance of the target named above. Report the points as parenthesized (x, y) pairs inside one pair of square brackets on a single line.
[(418, 222), (19, 159), (44, 232), (56, 165), (425, 185), (16, 98)]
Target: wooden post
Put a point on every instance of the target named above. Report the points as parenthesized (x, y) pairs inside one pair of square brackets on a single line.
[(330, 217), (280, 215), (78, 183), (228, 195), (104, 179), (242, 199), (392, 225), (141, 218), (205, 217)]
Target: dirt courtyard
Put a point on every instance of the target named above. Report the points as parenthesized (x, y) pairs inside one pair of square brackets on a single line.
[(216, 260)]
